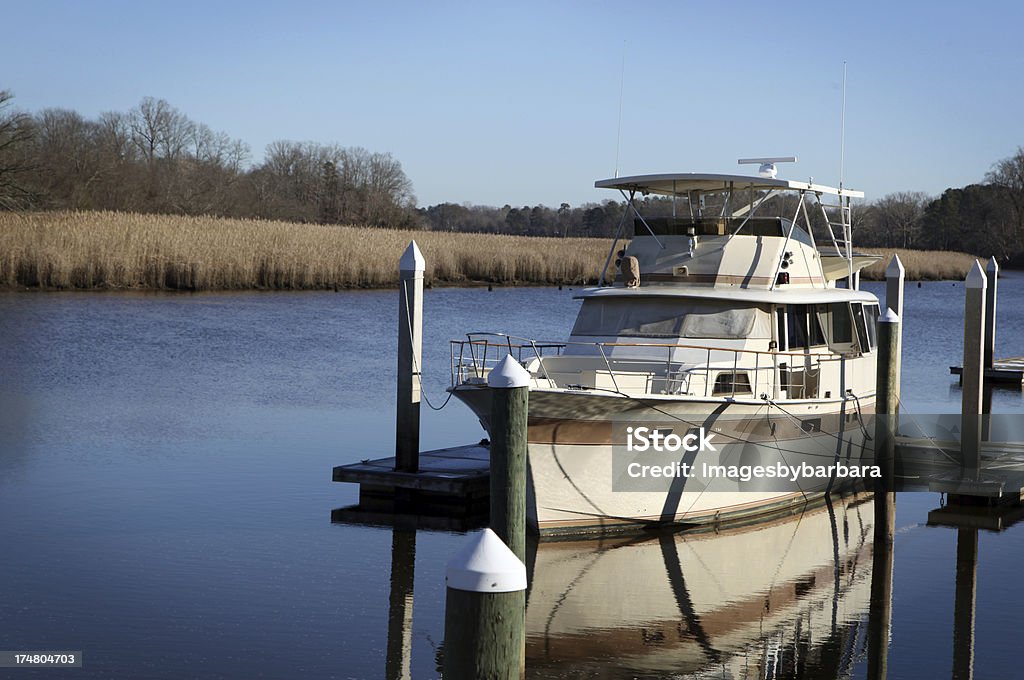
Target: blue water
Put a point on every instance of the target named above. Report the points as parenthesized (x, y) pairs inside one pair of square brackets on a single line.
[(165, 493)]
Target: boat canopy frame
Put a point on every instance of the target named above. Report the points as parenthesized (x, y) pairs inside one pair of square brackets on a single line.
[(694, 186)]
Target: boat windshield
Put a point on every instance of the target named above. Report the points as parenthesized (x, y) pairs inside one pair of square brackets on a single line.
[(672, 318)]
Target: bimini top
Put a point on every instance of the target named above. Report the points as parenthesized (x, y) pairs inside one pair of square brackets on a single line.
[(679, 184)]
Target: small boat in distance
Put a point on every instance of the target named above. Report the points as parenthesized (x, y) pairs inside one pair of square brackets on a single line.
[(723, 372)]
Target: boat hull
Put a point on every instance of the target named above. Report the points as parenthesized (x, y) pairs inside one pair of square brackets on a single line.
[(585, 475)]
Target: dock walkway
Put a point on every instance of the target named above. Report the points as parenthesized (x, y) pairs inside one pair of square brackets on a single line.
[(1009, 370)]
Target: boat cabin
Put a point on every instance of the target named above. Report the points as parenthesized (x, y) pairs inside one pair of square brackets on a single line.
[(738, 304)]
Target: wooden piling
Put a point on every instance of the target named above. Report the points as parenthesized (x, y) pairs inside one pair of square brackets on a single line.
[(485, 612), (410, 355), (509, 383), (886, 409), (895, 274), (973, 371), (992, 275), (887, 391)]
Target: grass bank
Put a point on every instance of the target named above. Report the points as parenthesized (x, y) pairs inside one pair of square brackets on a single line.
[(922, 265), (61, 250)]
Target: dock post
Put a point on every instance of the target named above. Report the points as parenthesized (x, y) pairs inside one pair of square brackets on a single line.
[(886, 408), (410, 354), (887, 392), (992, 274), (485, 612), (895, 274), (973, 371), (510, 389)]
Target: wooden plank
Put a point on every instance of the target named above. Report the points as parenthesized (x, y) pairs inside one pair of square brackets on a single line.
[(1009, 370), (456, 470), (921, 465)]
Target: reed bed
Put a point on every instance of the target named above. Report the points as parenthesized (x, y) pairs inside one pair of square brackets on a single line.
[(88, 250), (922, 265)]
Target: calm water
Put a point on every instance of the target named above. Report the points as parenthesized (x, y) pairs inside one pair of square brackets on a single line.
[(165, 500)]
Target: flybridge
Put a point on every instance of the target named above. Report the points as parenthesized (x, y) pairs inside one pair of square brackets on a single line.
[(733, 209)]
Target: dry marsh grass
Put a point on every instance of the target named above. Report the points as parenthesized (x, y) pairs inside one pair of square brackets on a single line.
[(61, 250), (922, 265), (123, 250)]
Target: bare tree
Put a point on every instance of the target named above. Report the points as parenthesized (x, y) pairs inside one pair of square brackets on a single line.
[(159, 130), (15, 136), (1008, 175), (897, 218)]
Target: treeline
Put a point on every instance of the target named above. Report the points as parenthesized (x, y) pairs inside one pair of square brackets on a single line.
[(983, 219), (154, 159), (589, 220)]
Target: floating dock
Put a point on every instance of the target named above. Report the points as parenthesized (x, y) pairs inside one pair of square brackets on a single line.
[(1004, 371), (450, 491), (923, 463)]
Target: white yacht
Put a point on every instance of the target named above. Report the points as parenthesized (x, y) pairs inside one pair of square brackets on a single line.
[(723, 371)]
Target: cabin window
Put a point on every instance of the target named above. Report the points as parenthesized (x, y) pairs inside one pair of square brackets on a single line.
[(731, 383), (804, 327), (671, 318), (865, 320), (719, 323), (796, 326), (837, 325), (840, 325), (871, 317)]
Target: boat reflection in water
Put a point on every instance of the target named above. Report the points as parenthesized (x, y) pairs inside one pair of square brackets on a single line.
[(786, 598)]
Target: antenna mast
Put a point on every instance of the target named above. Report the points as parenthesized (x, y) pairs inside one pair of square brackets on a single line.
[(618, 129), (842, 132)]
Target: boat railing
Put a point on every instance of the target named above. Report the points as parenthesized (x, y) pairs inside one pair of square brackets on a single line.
[(708, 371), (474, 357)]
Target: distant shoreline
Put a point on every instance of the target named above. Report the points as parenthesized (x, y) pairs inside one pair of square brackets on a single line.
[(66, 250)]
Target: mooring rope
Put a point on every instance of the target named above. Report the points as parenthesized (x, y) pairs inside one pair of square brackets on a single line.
[(417, 371), (917, 424)]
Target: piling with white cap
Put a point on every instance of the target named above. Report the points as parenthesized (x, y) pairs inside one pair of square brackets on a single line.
[(895, 274), (485, 611), (887, 400), (510, 389), (973, 371), (410, 355), (886, 410), (887, 392)]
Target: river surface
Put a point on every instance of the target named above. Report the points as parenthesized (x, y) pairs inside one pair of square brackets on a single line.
[(166, 498)]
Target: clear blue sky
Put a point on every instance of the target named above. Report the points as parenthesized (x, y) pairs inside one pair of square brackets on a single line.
[(519, 103)]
